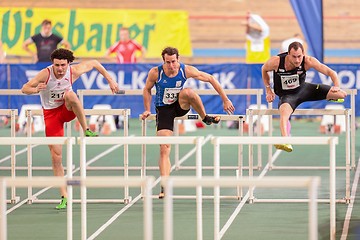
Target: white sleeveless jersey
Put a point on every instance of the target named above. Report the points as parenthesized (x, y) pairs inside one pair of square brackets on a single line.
[(53, 96)]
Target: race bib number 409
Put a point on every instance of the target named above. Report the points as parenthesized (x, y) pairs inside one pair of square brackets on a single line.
[(171, 95), (290, 82)]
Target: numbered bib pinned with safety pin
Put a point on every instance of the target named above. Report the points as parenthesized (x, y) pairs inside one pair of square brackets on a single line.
[(171, 95)]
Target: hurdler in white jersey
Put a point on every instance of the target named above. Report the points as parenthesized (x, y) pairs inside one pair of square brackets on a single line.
[(60, 103), (53, 96)]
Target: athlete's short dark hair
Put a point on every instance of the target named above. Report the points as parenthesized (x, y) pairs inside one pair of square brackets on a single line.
[(295, 46), (46, 22), (62, 53), (170, 51)]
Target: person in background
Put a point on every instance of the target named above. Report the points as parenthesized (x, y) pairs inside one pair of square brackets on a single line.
[(126, 48), (289, 74), (46, 42), (257, 39), (296, 38), (60, 103), (172, 100)]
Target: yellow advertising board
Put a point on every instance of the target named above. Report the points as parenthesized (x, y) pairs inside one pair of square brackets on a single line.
[(92, 31)]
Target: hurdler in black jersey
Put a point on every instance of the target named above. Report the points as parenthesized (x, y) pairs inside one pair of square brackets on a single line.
[(291, 87), (289, 74)]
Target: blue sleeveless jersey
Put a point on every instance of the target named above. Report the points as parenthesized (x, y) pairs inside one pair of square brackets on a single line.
[(168, 88)]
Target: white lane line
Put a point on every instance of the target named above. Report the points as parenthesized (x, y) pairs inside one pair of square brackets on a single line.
[(351, 204)]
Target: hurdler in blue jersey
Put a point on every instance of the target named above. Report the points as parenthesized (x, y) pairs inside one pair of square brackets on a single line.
[(289, 74), (173, 100)]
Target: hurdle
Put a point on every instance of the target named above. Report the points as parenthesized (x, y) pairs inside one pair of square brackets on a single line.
[(95, 182), (311, 112), (352, 93), (311, 183), (331, 141), (39, 141), (224, 117), (37, 112), (129, 140), (12, 113)]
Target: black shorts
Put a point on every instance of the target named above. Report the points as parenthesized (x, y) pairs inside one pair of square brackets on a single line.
[(165, 115), (307, 92)]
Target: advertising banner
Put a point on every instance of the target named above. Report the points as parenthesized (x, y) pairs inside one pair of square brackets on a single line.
[(92, 31), (133, 76)]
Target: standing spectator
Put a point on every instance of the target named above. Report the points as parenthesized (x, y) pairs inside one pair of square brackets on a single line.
[(46, 42), (257, 39), (285, 44), (126, 48)]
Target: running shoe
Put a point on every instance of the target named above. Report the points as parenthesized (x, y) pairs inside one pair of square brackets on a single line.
[(208, 120), (89, 133), (62, 204), (161, 194), (284, 147), (340, 100)]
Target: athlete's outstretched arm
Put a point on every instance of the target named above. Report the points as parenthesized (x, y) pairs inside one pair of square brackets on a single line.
[(150, 82), (87, 66), (193, 72), (311, 62), (270, 65), (36, 84)]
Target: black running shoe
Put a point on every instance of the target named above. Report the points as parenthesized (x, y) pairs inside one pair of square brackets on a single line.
[(208, 120), (161, 194)]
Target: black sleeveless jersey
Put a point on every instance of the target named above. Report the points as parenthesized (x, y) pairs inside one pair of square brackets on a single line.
[(287, 82)]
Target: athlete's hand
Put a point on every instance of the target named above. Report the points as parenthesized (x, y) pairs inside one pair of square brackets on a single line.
[(270, 96), (41, 87), (113, 86), (229, 107), (145, 115), (334, 89)]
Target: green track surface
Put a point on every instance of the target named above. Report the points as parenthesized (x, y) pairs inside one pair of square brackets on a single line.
[(255, 221)]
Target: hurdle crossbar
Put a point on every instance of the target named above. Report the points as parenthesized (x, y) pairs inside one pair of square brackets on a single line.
[(139, 141), (310, 112), (139, 92), (39, 112), (12, 113), (331, 141), (311, 183), (223, 117), (95, 182), (39, 141)]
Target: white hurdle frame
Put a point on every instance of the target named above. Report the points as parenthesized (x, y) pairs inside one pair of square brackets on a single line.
[(12, 113), (310, 112), (331, 141), (68, 141), (96, 182), (138, 141), (311, 183), (224, 117), (38, 112), (352, 93)]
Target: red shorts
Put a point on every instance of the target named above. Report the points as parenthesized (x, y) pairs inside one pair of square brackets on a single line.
[(55, 119)]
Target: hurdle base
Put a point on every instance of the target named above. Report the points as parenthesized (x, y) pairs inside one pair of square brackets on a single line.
[(15, 200), (37, 201)]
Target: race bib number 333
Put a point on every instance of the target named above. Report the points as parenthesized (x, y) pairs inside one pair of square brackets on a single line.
[(170, 95)]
